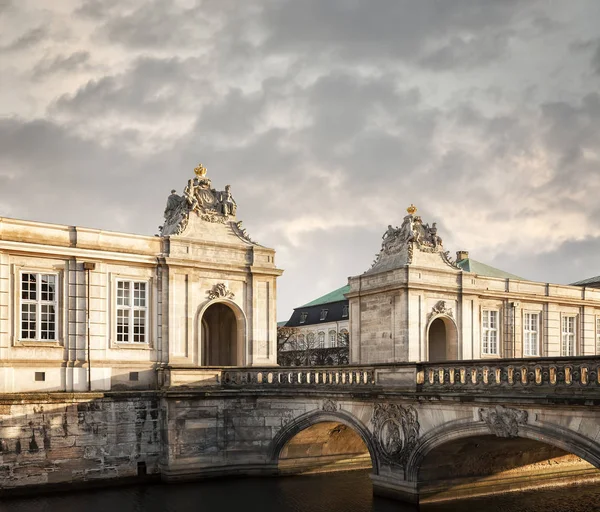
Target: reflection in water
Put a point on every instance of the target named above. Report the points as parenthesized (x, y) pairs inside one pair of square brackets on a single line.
[(339, 492)]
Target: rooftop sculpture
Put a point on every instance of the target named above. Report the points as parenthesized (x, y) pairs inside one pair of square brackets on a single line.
[(200, 198), (398, 243)]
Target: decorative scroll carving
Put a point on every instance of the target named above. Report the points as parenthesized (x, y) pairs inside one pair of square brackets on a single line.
[(198, 197), (220, 291), (503, 421), (396, 432), (330, 405), (241, 232)]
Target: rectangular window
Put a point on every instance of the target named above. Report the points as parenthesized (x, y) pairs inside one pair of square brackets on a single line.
[(321, 340), (132, 312), (39, 303), (531, 326), (303, 317), (324, 314), (345, 311), (567, 347), (489, 332)]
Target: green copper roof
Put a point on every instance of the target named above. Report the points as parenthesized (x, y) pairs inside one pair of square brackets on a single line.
[(334, 296), (584, 282), (471, 265)]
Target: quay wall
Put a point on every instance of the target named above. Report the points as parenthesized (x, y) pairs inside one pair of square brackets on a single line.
[(52, 440)]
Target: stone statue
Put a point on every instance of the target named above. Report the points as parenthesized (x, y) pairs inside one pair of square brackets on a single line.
[(173, 204), (433, 237), (189, 194), (228, 204)]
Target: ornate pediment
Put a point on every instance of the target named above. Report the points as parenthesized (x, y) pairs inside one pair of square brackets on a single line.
[(399, 243), (200, 199)]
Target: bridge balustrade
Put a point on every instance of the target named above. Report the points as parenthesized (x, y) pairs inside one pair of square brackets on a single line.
[(511, 374), (547, 375)]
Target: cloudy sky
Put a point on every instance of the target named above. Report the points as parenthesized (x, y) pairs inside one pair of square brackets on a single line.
[(327, 117)]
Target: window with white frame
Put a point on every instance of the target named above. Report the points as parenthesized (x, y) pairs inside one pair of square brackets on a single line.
[(345, 311), (489, 332), (531, 336), (324, 314), (332, 339), (567, 347), (301, 342), (321, 340), (303, 317), (39, 304), (132, 311)]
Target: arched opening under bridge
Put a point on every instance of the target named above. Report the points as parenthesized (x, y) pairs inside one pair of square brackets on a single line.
[(485, 464), (323, 442)]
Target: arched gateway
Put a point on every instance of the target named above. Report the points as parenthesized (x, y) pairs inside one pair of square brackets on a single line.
[(442, 338), (223, 334), (216, 284)]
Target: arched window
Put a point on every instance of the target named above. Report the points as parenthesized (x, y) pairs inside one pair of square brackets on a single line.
[(321, 340), (310, 340), (332, 338)]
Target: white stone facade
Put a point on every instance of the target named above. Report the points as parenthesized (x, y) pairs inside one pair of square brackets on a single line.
[(416, 304), (203, 295)]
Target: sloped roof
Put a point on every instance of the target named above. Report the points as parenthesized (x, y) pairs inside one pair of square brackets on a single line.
[(588, 281), (471, 265), (334, 296), (282, 324)]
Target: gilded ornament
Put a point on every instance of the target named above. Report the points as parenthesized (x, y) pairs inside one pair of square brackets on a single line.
[(200, 171), (412, 209)]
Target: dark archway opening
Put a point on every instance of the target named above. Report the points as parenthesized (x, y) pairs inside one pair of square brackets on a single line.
[(437, 341), (482, 465), (326, 446), (220, 336)]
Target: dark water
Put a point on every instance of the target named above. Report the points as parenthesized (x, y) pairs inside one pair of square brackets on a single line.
[(339, 492)]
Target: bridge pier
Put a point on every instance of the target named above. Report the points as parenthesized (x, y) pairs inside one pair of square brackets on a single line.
[(395, 488)]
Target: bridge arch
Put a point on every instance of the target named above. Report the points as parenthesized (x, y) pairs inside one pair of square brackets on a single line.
[(309, 419), (555, 436)]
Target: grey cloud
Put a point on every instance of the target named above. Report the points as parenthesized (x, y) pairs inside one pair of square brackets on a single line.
[(27, 40), (61, 64), (63, 178), (572, 261), (394, 29), (596, 60), (152, 86)]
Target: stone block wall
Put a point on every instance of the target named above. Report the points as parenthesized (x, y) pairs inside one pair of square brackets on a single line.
[(77, 438)]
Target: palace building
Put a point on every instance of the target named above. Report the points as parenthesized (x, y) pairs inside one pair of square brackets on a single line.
[(416, 303), (84, 309)]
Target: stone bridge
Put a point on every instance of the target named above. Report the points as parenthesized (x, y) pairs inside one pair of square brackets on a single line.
[(430, 431)]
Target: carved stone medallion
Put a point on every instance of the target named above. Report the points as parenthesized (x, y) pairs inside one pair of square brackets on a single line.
[(396, 432), (330, 405), (503, 421), (220, 291)]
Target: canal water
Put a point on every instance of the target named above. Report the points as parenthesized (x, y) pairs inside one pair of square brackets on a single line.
[(334, 492)]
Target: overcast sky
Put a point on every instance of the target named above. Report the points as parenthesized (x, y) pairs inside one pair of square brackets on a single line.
[(327, 117)]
